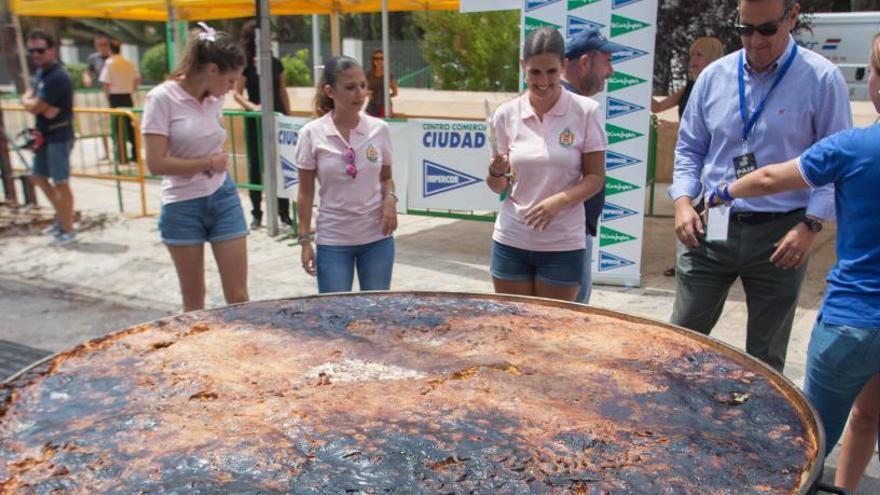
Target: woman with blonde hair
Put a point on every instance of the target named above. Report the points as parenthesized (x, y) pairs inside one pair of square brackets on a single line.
[(703, 52), (843, 356)]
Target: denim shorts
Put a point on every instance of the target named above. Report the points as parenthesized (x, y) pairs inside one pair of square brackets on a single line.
[(560, 268), (53, 160), (214, 218)]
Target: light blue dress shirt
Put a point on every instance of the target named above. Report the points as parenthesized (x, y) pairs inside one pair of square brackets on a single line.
[(810, 103)]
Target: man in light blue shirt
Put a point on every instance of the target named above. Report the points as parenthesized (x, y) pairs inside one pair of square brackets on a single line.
[(757, 106)]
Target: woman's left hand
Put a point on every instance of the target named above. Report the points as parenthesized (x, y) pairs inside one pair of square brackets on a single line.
[(389, 215), (542, 214)]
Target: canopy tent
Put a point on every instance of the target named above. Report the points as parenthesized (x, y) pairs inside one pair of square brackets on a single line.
[(198, 10)]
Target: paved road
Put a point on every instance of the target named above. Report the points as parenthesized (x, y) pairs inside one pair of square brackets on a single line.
[(40, 320)]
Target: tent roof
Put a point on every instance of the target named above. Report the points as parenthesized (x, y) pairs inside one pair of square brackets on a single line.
[(157, 10)]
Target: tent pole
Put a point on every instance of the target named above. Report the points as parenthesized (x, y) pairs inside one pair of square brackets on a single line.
[(22, 54), (317, 62), (386, 63), (171, 38), (264, 57), (335, 35)]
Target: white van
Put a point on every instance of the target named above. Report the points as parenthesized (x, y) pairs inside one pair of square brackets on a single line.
[(845, 40)]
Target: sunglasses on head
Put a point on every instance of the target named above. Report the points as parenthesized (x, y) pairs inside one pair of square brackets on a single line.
[(38, 51), (350, 167), (766, 29)]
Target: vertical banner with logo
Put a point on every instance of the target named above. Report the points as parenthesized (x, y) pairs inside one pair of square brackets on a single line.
[(617, 254), (448, 160), (286, 138)]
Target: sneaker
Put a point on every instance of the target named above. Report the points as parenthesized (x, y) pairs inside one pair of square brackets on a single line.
[(53, 229), (255, 223), (63, 239), (286, 220)]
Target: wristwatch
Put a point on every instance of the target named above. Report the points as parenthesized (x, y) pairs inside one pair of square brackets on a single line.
[(813, 224)]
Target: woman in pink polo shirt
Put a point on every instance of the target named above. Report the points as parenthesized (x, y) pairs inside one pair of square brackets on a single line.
[(349, 152), (551, 158), (184, 140)]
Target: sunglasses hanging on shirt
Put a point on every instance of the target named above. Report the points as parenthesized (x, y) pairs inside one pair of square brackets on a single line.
[(350, 167), (766, 29)]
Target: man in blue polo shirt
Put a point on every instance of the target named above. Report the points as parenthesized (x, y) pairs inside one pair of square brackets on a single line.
[(589, 65), (759, 105), (51, 101)]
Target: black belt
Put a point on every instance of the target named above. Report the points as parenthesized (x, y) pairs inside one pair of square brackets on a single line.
[(756, 217)]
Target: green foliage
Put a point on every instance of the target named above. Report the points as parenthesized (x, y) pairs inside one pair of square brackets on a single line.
[(296, 69), (75, 71), (472, 52), (154, 64)]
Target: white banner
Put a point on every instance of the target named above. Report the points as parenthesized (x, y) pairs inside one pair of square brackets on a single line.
[(618, 253), (286, 138), (448, 160)]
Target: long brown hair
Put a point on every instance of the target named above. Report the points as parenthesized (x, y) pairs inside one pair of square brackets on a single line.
[(206, 46), (332, 69), (875, 52)]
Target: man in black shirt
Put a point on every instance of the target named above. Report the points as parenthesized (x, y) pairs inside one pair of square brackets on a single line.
[(589, 66), (51, 101)]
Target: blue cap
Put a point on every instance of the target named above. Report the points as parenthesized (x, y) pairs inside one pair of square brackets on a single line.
[(589, 39)]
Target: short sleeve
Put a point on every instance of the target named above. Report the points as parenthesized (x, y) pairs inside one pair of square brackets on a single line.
[(502, 132), (49, 91), (157, 115), (821, 164), (385, 143), (305, 155), (595, 138)]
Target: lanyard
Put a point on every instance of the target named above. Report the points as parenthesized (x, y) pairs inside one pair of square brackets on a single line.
[(749, 123)]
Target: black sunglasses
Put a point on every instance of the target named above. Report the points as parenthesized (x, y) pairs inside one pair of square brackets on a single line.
[(766, 29), (38, 51)]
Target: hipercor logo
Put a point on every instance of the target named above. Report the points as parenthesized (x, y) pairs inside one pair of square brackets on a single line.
[(289, 172), (624, 25), (831, 44), (537, 4), (617, 134), (440, 179), (609, 262), (611, 212), (532, 24), (619, 4), (617, 108), (622, 80), (576, 25), (618, 160), (628, 53)]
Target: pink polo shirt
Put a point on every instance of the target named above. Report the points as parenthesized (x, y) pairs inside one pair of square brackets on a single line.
[(546, 157), (193, 130), (350, 210)]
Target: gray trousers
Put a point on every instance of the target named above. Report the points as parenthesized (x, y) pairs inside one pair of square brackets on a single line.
[(704, 274)]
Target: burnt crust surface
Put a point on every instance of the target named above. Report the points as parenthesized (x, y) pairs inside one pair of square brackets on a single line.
[(399, 394)]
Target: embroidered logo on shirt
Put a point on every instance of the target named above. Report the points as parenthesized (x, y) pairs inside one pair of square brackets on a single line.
[(566, 139), (372, 154)]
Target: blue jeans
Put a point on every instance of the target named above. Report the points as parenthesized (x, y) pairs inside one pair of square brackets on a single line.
[(336, 266), (586, 291), (840, 361)]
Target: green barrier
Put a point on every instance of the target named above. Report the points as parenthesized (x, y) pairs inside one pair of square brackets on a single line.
[(652, 163)]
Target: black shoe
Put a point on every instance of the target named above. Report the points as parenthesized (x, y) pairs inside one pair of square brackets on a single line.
[(286, 220), (256, 222)]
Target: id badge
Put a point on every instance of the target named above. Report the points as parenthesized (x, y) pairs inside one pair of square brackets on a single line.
[(719, 223), (744, 164)]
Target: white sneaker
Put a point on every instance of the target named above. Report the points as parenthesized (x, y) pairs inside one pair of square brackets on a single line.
[(63, 239), (53, 229)]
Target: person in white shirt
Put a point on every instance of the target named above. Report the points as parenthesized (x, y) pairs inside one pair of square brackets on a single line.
[(120, 79)]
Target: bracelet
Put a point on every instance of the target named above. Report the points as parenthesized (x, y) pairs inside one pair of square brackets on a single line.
[(310, 236), (393, 195), (493, 174), (724, 193)]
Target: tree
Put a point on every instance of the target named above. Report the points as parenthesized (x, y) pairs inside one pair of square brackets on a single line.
[(679, 22), (472, 52)]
